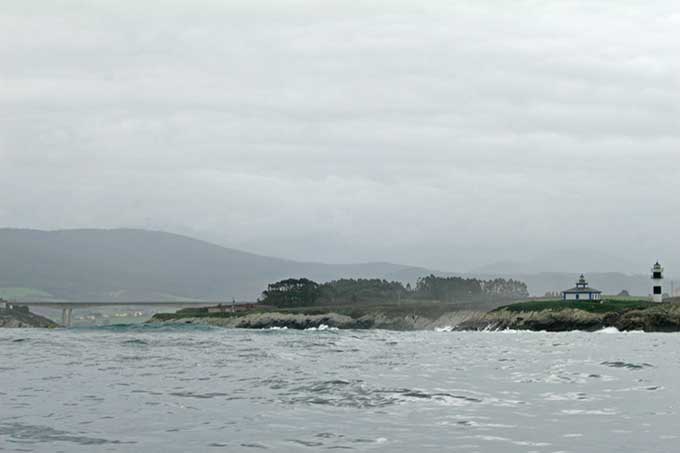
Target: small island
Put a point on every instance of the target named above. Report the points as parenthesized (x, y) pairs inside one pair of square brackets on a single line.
[(360, 304), (537, 315), (449, 303)]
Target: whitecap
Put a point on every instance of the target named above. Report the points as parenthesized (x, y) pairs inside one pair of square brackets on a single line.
[(615, 330), (322, 327), (605, 411), (608, 330)]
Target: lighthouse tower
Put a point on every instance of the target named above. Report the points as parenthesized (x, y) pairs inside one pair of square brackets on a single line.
[(657, 279)]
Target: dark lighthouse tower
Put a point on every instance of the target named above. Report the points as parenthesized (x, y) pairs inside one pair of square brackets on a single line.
[(657, 286)]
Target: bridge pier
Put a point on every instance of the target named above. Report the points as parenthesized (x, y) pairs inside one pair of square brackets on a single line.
[(68, 307), (66, 317)]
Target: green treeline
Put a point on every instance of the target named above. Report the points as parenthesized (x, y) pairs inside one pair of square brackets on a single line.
[(304, 292), (293, 292)]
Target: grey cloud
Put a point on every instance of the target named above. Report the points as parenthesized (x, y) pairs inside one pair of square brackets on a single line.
[(447, 135)]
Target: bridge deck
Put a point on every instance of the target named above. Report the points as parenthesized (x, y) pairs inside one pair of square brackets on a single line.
[(117, 304)]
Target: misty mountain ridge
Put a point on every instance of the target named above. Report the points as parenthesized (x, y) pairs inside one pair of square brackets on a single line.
[(142, 265), (565, 261)]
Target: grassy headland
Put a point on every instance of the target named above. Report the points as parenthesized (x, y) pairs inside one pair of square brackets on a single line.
[(604, 306), (557, 315)]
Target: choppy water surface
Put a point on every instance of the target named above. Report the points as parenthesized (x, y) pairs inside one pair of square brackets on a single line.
[(191, 389)]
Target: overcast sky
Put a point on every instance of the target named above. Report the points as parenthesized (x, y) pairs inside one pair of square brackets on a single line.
[(450, 135)]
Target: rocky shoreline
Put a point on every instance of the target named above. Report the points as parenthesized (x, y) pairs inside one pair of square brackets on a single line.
[(20, 317), (662, 318), (268, 320), (658, 318)]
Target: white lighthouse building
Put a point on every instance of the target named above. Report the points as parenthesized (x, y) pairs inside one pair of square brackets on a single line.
[(657, 285), (582, 291)]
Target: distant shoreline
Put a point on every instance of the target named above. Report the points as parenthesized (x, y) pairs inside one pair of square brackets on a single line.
[(534, 315)]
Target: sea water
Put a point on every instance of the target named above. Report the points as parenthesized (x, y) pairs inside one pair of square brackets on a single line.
[(192, 389)]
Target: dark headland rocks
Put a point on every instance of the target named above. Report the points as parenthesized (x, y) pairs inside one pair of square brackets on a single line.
[(22, 317)]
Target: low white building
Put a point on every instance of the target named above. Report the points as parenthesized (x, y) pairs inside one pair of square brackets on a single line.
[(582, 291)]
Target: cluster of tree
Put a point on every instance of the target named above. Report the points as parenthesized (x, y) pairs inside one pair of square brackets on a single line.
[(451, 289), (362, 290), (292, 292), (303, 292), (505, 289)]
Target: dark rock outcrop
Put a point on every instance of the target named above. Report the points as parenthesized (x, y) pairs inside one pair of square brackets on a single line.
[(22, 317), (376, 320), (661, 318)]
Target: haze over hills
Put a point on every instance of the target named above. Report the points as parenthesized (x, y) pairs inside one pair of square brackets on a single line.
[(139, 265), (565, 261)]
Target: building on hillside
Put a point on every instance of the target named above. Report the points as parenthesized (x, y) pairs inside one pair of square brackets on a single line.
[(582, 291), (657, 283), (11, 306)]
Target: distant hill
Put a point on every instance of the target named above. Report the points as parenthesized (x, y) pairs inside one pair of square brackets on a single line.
[(138, 265)]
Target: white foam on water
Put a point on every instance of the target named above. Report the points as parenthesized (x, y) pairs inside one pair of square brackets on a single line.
[(444, 329), (322, 327), (615, 330), (605, 411), (608, 330)]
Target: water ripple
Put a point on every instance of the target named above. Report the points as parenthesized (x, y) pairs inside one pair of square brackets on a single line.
[(171, 390)]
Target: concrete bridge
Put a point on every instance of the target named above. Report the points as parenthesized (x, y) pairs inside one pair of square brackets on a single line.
[(67, 307)]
